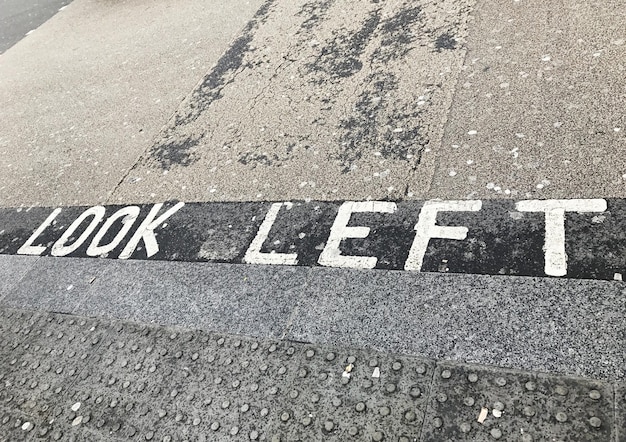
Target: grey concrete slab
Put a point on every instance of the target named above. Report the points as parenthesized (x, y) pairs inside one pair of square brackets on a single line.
[(85, 95), (539, 107), (12, 270), (234, 299), (53, 285), (527, 323), (19, 17), (314, 100)]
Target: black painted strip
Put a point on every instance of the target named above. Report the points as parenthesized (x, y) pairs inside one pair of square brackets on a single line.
[(500, 239)]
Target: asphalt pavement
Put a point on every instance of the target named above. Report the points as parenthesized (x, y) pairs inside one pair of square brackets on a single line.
[(19, 18)]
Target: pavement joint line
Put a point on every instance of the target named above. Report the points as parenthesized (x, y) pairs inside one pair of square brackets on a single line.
[(428, 399), (437, 167), (290, 320), (283, 390)]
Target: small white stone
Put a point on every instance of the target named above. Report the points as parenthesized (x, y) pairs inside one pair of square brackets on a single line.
[(76, 406), (472, 132), (376, 373)]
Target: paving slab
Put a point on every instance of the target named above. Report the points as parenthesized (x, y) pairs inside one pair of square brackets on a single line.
[(519, 406), (84, 96), (527, 323), (246, 299), (52, 285), (321, 100), (538, 111), (74, 378), (12, 271)]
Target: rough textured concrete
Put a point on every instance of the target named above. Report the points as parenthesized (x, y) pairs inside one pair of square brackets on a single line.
[(86, 94), (68, 377), (20, 17), (323, 100), (539, 108)]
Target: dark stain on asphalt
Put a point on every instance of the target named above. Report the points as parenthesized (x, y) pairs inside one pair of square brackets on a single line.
[(170, 150), (176, 153), (380, 120), (397, 34), (378, 125), (445, 41), (254, 159), (340, 57), (315, 11)]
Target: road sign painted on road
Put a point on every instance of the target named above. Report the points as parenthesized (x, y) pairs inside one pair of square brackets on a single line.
[(575, 238)]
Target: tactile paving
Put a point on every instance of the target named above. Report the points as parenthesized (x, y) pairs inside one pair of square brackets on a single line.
[(517, 406), (342, 395), (48, 352), (69, 378)]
